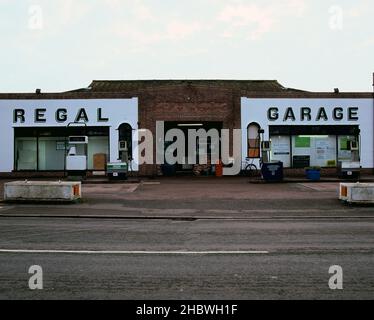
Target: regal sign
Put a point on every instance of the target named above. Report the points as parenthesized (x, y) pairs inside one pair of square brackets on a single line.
[(61, 115)]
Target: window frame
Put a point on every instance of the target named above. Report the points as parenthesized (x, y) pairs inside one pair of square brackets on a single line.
[(257, 149)]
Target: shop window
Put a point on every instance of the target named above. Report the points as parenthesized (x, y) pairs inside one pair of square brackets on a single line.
[(26, 153), (51, 153), (253, 137), (44, 149), (314, 150), (97, 153), (281, 149), (125, 141), (322, 146), (344, 150)]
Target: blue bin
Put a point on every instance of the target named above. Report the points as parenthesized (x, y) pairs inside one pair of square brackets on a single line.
[(313, 175)]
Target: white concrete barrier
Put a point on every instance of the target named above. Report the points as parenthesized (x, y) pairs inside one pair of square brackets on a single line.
[(357, 193), (42, 191)]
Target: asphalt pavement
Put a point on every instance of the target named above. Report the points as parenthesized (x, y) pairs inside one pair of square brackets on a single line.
[(194, 239)]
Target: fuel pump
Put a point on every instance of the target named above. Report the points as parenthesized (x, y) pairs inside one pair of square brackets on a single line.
[(124, 151), (270, 170), (351, 168), (76, 158), (119, 170), (265, 149)]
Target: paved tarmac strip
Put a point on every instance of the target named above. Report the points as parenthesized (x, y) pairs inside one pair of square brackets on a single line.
[(136, 252), (185, 218)]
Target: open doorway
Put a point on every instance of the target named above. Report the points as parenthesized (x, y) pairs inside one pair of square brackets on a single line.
[(202, 145)]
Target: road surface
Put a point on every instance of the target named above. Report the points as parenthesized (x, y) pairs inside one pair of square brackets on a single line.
[(248, 258)]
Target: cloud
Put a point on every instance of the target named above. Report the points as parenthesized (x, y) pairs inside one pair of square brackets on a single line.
[(257, 19), (368, 42), (240, 16), (140, 39), (180, 30), (69, 12), (137, 8), (144, 27), (360, 9), (143, 12), (137, 25)]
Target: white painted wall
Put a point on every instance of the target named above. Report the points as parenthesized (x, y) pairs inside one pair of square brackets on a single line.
[(117, 110), (255, 110)]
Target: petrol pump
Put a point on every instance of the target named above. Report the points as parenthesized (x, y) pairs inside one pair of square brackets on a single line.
[(119, 170), (270, 170), (351, 168), (76, 158)]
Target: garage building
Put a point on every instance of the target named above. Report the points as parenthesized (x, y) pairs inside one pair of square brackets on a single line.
[(311, 128)]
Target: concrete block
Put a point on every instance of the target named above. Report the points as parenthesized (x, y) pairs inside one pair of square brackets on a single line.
[(357, 193), (42, 191)]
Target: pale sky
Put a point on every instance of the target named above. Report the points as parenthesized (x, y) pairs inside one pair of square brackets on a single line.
[(59, 45)]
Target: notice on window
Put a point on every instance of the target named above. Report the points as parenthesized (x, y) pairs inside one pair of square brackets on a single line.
[(324, 152), (280, 148), (60, 145), (344, 143), (302, 142)]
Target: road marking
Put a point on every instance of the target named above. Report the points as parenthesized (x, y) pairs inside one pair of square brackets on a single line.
[(136, 252)]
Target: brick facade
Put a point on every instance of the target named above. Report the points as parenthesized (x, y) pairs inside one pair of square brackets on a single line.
[(187, 103)]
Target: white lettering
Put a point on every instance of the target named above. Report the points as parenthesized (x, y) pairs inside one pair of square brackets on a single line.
[(147, 310), (336, 281), (35, 17), (36, 280), (336, 18)]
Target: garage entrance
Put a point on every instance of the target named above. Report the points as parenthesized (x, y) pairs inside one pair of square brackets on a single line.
[(203, 144)]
